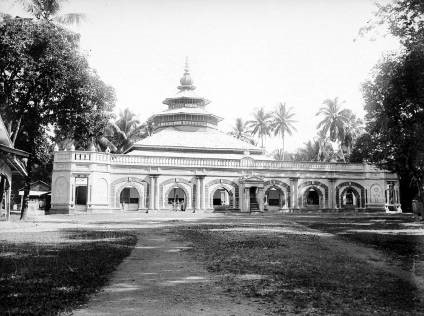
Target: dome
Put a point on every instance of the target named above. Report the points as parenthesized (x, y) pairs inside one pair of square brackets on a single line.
[(186, 79)]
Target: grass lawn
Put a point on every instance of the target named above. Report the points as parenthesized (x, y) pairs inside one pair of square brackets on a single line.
[(390, 234), (297, 272), (47, 273)]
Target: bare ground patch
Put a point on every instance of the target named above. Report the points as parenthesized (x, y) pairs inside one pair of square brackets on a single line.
[(300, 272)]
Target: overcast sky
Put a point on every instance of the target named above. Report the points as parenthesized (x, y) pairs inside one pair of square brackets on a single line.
[(243, 54)]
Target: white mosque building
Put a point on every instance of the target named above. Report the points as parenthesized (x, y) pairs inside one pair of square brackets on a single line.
[(188, 164)]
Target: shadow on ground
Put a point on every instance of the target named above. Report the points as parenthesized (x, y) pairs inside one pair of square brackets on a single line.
[(59, 271)]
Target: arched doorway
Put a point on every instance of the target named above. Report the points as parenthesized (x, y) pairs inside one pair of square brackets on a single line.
[(274, 198), (312, 198), (222, 199), (350, 198), (177, 200), (129, 199)]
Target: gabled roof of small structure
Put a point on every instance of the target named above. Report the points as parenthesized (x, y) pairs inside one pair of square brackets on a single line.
[(4, 135), (38, 185), (12, 153)]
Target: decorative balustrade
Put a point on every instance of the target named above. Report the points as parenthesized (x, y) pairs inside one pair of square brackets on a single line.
[(245, 163)]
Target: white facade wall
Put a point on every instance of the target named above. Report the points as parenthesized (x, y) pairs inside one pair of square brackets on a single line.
[(155, 177)]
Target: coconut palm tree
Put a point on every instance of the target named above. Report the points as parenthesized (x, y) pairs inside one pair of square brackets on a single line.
[(325, 149), (126, 130), (240, 131), (353, 128), (261, 124), (49, 10), (334, 122), (282, 122), (148, 128)]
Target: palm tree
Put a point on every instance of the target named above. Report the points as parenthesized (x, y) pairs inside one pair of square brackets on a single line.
[(334, 122), (240, 131), (48, 10), (126, 130), (261, 124), (282, 123), (353, 128), (325, 149), (148, 128)]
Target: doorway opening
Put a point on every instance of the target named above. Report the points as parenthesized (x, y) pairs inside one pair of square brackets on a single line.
[(222, 199), (129, 199), (312, 198), (81, 194), (254, 205), (177, 199), (274, 198)]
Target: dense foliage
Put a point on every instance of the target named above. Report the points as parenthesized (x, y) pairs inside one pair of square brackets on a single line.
[(47, 86), (395, 120), (394, 101)]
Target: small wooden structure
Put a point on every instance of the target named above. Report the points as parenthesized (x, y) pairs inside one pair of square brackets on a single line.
[(39, 198)]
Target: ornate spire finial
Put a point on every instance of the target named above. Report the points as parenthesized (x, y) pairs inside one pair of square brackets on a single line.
[(186, 68), (186, 81)]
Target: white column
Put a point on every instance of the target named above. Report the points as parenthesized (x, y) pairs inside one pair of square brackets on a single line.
[(260, 199), (247, 199), (71, 198), (331, 194), (156, 193), (143, 200), (197, 194), (293, 189), (152, 193), (89, 188), (202, 193)]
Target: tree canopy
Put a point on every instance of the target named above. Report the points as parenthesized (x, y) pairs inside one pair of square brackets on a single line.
[(394, 101), (47, 87)]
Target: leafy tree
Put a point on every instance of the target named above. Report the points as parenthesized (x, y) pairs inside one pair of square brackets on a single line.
[(280, 155), (334, 122), (362, 149), (45, 85), (148, 128), (261, 124), (404, 19), (309, 151), (48, 11), (394, 101), (325, 149), (282, 123), (353, 129), (241, 131)]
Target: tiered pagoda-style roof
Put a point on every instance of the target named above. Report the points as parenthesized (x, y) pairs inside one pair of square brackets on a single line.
[(188, 128), (186, 108)]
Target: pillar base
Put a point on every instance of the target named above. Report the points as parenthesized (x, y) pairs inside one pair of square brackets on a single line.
[(61, 209)]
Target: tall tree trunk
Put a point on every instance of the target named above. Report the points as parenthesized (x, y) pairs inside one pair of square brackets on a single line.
[(341, 150), (284, 147), (15, 134), (27, 187)]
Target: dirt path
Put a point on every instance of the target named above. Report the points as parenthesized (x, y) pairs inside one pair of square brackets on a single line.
[(160, 279)]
